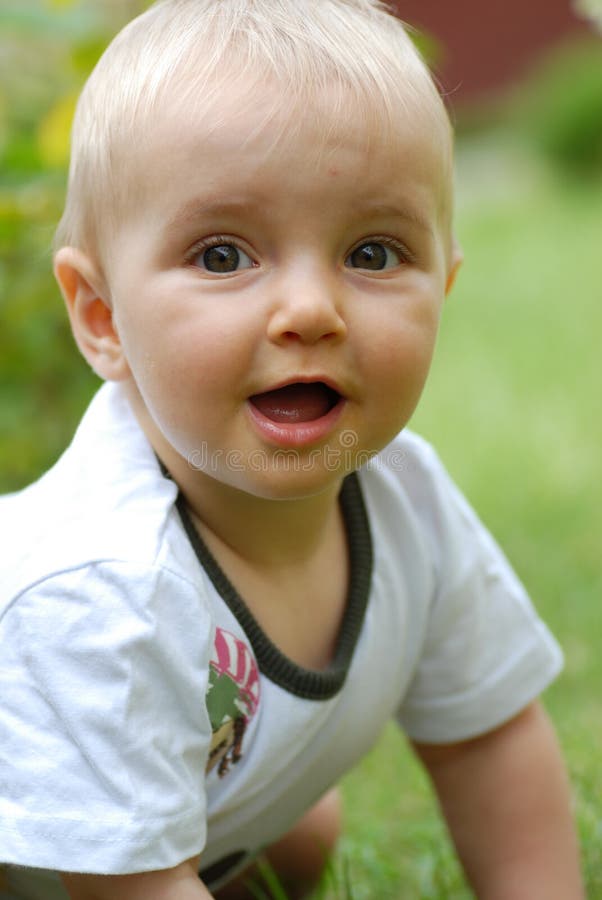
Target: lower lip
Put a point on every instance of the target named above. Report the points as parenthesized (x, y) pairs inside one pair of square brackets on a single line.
[(295, 434)]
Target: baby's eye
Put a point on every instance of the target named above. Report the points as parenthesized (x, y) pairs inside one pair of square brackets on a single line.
[(221, 259), (375, 255)]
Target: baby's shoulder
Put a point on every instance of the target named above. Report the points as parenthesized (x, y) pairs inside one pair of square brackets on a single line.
[(50, 540), (410, 495), (409, 471), (104, 502)]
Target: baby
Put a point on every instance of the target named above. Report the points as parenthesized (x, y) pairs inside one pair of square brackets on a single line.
[(243, 566)]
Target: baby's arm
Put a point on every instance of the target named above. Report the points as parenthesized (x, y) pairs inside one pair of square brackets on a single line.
[(506, 800), (179, 883)]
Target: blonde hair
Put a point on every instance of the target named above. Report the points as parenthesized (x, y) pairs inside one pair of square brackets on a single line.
[(186, 51)]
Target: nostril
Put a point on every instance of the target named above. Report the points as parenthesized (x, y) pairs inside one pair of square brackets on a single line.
[(301, 336)]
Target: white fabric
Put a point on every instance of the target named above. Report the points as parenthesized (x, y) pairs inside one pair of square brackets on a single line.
[(108, 624)]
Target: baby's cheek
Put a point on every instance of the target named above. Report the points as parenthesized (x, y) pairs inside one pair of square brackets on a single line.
[(401, 353)]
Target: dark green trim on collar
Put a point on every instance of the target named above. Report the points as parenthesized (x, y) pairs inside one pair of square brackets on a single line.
[(307, 683)]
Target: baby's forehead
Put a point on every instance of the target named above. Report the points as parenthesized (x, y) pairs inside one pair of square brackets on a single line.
[(233, 115)]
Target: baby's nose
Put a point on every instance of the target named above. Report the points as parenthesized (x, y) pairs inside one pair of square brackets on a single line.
[(307, 308)]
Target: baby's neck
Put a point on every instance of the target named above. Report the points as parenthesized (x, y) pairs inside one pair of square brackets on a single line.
[(265, 533)]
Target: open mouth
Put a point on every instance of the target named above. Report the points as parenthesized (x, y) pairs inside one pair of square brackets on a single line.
[(297, 402)]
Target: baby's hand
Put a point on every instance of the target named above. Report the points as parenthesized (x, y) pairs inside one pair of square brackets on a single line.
[(179, 883)]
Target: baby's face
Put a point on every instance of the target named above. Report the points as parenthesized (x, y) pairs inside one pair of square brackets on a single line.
[(277, 295)]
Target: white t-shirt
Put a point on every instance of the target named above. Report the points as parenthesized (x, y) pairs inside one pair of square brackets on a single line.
[(144, 715)]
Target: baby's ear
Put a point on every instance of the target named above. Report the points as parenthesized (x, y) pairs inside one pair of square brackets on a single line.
[(90, 312), (455, 261)]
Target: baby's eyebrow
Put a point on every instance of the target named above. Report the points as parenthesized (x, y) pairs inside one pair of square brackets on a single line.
[(204, 207), (392, 211)]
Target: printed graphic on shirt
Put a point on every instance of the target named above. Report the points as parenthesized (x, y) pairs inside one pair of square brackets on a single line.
[(232, 698)]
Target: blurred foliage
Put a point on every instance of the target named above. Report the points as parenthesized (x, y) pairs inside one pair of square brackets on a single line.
[(430, 48), (562, 107), (47, 50), (591, 10)]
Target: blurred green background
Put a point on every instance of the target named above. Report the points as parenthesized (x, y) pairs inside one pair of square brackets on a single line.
[(513, 402), (46, 51)]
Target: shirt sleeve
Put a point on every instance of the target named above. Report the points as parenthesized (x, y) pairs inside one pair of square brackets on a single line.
[(485, 654), (104, 733)]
